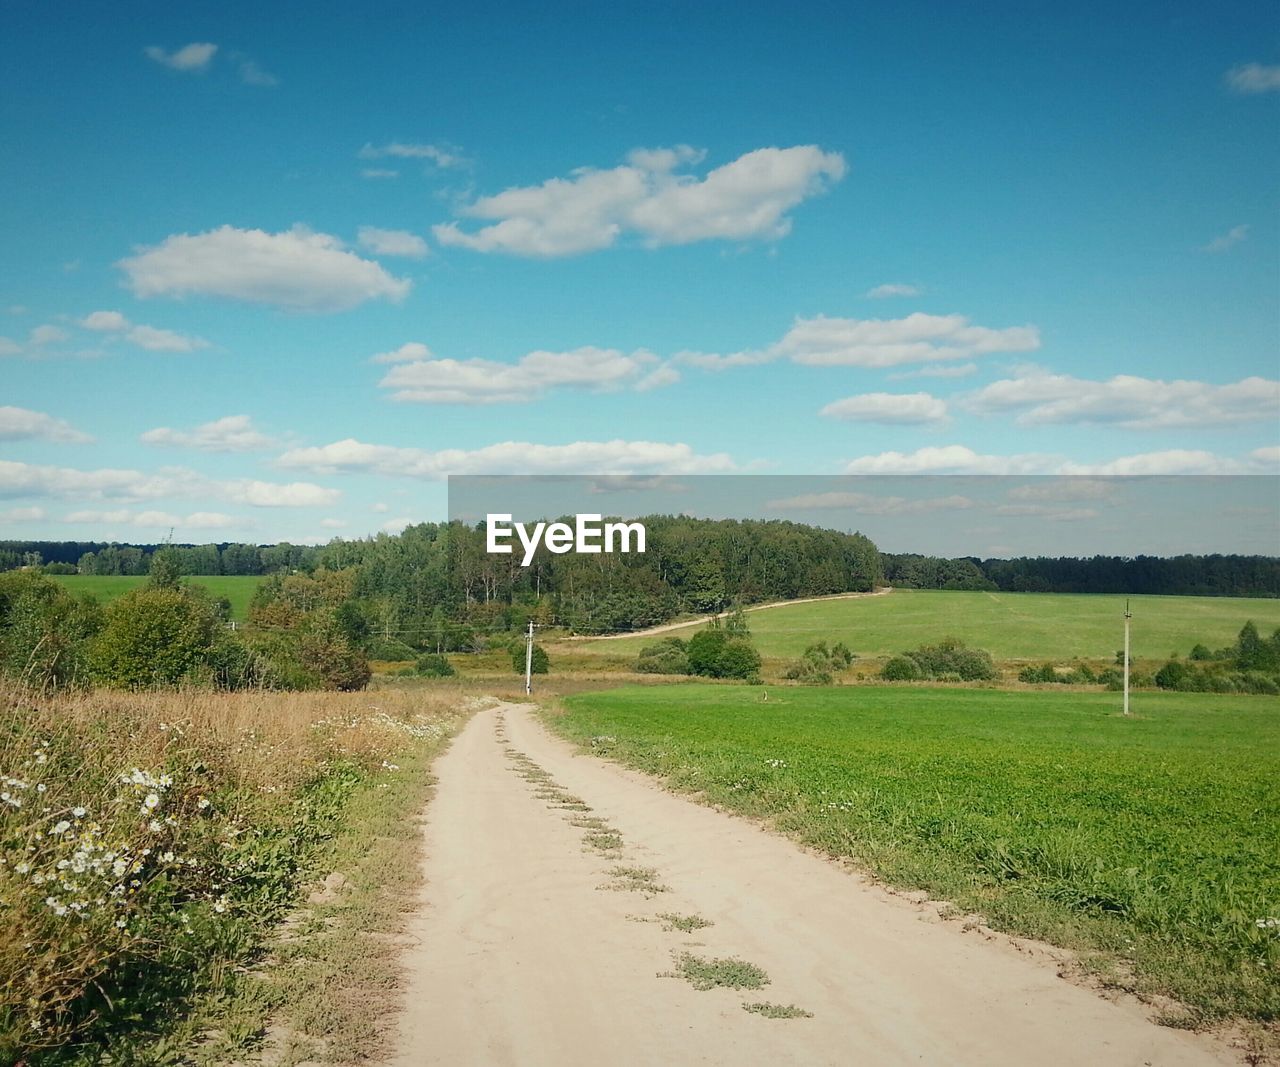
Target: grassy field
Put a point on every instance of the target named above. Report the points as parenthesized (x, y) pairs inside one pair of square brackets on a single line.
[(1011, 626), (238, 589), (1149, 843)]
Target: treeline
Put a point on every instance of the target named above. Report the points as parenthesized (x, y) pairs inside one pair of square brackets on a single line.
[(1187, 575), (434, 586), (106, 558)]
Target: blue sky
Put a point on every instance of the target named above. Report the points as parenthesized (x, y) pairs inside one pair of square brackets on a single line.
[(275, 271)]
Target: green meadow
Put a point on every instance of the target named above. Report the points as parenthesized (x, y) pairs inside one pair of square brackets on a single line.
[(1011, 626), (237, 588), (1149, 844)]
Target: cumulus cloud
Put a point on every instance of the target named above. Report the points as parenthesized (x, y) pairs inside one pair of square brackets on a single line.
[(869, 504), (746, 199), (1131, 402), (875, 343), (892, 289), (960, 459), (48, 335), (22, 424), (297, 269), (484, 381), (406, 353), (22, 515), (134, 486), (391, 242), (149, 337), (158, 520), (233, 433), (1229, 239), (189, 59), (1252, 78), (442, 156), (893, 408), (508, 457)]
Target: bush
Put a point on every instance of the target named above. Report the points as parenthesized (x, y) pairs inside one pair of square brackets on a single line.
[(388, 649), (434, 665), (716, 653), (541, 663), (901, 669), (950, 656), (819, 664), (1173, 675), (666, 657), (1199, 653), (155, 636), (1045, 672), (332, 662)]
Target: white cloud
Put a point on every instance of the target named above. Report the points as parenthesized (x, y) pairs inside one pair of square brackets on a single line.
[(1128, 401), (509, 457), (439, 155), (1250, 78), (960, 459), (22, 515), (132, 486), (155, 340), (868, 504), (938, 370), (1229, 239), (233, 433), (406, 353), (47, 335), (298, 269), (1268, 459), (277, 495), (105, 321), (1046, 511), (896, 408), (149, 337), (159, 520), (9, 347), (20, 424), (747, 199), (391, 242), (1064, 489), (883, 292), (483, 381), (917, 338), (253, 74), (190, 58), (378, 172), (948, 459)]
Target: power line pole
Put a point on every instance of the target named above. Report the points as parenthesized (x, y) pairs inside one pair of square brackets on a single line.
[(528, 662), (1127, 616)]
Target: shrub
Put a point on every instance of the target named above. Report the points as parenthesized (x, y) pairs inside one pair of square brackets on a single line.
[(1199, 653), (716, 653), (668, 656), (901, 669), (434, 665), (1173, 675), (541, 663), (332, 662), (155, 636), (1045, 672), (819, 663), (388, 649)]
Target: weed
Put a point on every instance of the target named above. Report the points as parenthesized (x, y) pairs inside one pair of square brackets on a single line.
[(636, 880), (777, 1011), (684, 923), (705, 974)]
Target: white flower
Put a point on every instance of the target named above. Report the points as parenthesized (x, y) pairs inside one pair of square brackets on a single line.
[(167, 857), (22, 867), (61, 827), (202, 804), (120, 924), (40, 788), (152, 801), (78, 812)]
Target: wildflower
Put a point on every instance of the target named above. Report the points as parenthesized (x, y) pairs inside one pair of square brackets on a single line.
[(22, 867), (155, 826), (78, 812), (202, 803), (61, 827), (41, 757), (167, 857), (40, 788), (151, 802)]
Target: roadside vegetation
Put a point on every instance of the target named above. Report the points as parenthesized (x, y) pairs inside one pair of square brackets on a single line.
[(149, 843), (1147, 843)]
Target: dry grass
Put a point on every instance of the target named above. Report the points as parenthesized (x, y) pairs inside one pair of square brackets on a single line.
[(148, 840)]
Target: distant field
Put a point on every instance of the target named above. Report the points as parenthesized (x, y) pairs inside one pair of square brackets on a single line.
[(238, 589), (1011, 626), (1150, 840)]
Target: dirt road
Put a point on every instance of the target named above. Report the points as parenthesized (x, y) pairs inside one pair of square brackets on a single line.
[(528, 951), (702, 619)]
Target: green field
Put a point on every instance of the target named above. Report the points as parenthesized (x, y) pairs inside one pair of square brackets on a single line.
[(1151, 843), (237, 588), (1011, 626)]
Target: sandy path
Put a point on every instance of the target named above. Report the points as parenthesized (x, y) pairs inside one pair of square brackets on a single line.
[(520, 958), (703, 619)]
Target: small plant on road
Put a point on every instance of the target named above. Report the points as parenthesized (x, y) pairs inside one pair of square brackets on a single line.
[(712, 974)]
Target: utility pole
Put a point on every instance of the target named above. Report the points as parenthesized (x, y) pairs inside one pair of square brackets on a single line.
[(528, 662), (1127, 616)]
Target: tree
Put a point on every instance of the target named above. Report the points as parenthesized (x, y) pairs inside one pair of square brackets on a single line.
[(541, 662), (155, 636), (166, 568)]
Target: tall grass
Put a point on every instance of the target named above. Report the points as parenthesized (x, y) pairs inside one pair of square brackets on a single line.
[(147, 841)]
